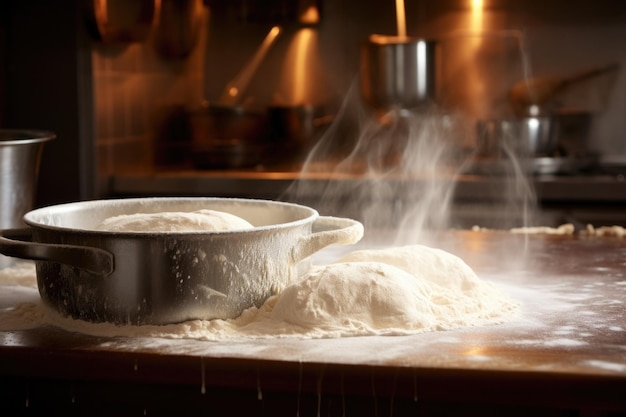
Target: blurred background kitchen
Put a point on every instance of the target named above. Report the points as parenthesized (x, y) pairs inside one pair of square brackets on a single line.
[(228, 97)]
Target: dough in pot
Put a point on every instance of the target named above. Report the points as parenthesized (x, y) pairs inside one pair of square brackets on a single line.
[(196, 221)]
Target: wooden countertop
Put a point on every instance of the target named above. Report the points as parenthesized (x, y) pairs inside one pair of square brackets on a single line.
[(566, 353)]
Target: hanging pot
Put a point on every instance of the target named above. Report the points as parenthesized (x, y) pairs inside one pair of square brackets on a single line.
[(398, 72)]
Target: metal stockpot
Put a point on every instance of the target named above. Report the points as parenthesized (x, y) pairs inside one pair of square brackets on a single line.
[(157, 278), (534, 136), (398, 72), (20, 154)]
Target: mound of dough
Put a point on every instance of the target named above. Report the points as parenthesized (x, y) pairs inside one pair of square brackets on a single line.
[(430, 264), (196, 221), (392, 291), (359, 295)]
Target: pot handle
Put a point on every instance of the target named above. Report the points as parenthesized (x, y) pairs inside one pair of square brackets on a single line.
[(327, 231), (18, 244)]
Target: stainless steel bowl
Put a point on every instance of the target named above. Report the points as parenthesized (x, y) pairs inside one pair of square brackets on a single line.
[(398, 72)]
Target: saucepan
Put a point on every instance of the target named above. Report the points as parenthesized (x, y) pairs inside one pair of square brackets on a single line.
[(398, 72), (558, 134), (226, 137), (523, 136), (168, 277), (293, 130)]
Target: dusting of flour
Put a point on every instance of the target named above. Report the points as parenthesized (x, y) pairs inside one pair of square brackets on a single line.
[(200, 220), (395, 291)]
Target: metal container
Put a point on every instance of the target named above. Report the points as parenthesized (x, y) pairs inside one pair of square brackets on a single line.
[(226, 137), (158, 278), (524, 136), (398, 72), (20, 154), (574, 129), (293, 130)]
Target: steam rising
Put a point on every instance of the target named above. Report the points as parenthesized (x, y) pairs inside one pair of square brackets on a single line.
[(395, 170), (398, 171)]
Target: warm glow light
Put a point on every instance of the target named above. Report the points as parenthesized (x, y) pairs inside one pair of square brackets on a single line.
[(303, 42), (101, 11), (274, 31), (297, 85), (474, 84), (475, 351), (157, 13), (477, 15), (310, 16), (401, 18), (231, 93)]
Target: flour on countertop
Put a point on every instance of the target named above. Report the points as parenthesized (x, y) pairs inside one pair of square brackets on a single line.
[(564, 229), (616, 231), (395, 291), (196, 221)]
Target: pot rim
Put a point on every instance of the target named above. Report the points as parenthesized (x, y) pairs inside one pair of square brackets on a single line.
[(34, 218), (24, 136), (396, 40)]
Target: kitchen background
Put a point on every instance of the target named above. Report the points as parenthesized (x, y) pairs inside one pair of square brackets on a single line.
[(119, 96)]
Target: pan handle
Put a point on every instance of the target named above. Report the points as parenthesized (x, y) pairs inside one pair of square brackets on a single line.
[(18, 244), (327, 231)]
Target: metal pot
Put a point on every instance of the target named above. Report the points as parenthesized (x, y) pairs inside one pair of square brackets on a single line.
[(157, 278), (226, 137), (293, 130), (398, 72), (524, 136), (20, 155)]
